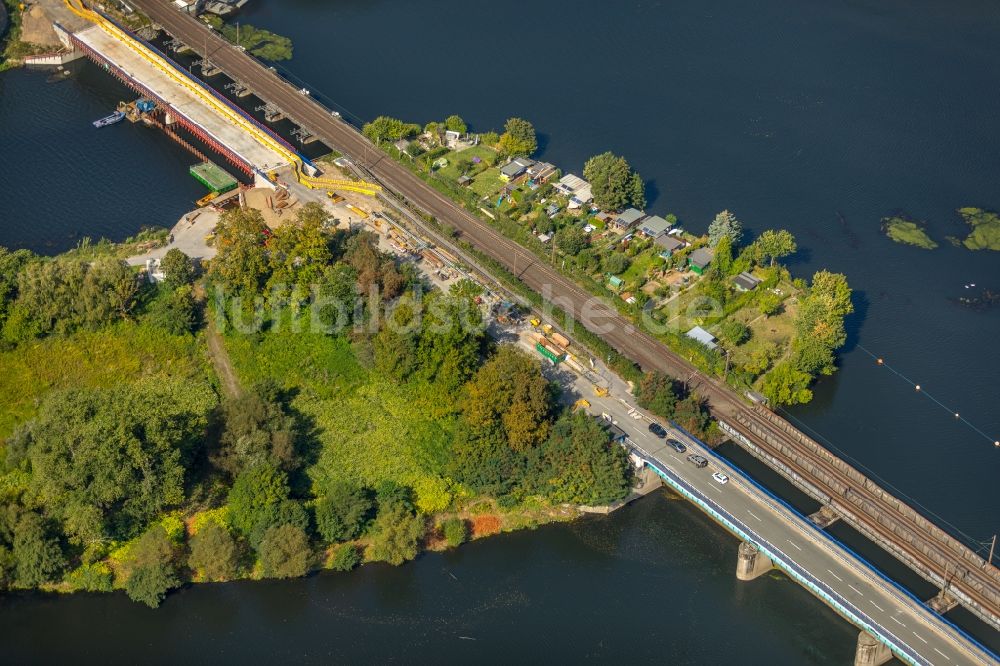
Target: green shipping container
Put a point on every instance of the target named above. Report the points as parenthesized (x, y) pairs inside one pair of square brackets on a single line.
[(553, 358)]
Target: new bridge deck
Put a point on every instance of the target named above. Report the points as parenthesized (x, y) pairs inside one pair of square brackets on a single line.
[(181, 100)]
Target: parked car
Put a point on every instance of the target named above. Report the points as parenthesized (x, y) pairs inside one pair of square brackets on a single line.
[(699, 461), (720, 477), (657, 430), (676, 446)]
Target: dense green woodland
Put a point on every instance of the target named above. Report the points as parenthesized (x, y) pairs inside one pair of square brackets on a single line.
[(359, 431)]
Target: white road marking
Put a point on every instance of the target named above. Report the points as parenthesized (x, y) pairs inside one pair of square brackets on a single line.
[(856, 589), (876, 605), (753, 514), (919, 636), (675, 457), (716, 489), (794, 544), (897, 621), (835, 576), (942, 654)]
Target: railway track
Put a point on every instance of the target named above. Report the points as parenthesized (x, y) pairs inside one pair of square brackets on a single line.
[(854, 500), (871, 510)]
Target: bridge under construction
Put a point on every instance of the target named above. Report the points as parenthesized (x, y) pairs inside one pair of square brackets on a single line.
[(243, 141)]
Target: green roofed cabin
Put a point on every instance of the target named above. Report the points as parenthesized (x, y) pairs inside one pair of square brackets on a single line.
[(213, 177), (699, 260)]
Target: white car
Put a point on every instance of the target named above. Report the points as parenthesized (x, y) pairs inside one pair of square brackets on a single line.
[(720, 477)]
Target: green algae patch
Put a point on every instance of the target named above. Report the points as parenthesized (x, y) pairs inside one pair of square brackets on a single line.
[(909, 232), (985, 234)]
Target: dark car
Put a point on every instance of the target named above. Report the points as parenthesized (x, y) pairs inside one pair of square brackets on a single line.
[(698, 461), (676, 446), (657, 430)]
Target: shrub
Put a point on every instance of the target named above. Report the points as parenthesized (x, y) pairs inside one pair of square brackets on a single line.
[(345, 558), (213, 553), (395, 535), (285, 552), (455, 531), (485, 525)]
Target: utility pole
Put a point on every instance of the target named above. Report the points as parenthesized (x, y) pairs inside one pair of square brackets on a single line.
[(993, 545)]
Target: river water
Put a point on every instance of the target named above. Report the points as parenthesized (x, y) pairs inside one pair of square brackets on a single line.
[(816, 116)]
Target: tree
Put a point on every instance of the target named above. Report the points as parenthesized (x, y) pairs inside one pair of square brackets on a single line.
[(390, 493), (811, 356), (396, 535), (345, 557), (455, 124), (615, 263), (734, 332), (109, 290), (769, 303), (174, 310), (510, 393), (817, 319), (450, 341), (153, 572), (343, 512), (832, 288), (518, 139), (299, 252), (571, 239), (656, 392), (725, 224), (257, 429), (38, 558), (722, 257), (285, 512), (11, 264), (692, 414), (65, 294), (107, 461), (285, 552), (775, 244), (213, 553), (786, 385), (455, 531), (614, 184), (177, 269), (254, 495), (581, 465), (241, 263), (385, 128)]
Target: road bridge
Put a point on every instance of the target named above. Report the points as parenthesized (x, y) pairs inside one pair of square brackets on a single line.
[(929, 550)]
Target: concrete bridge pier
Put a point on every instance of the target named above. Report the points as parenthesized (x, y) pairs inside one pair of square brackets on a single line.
[(750, 562), (871, 651)]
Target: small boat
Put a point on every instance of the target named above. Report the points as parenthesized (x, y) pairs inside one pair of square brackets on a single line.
[(115, 117)]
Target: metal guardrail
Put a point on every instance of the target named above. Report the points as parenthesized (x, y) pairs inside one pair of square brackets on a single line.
[(787, 563)]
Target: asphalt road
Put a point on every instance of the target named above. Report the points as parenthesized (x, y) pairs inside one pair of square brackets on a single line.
[(600, 317), (819, 559)]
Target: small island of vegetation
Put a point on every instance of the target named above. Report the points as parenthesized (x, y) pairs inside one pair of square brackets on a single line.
[(985, 234), (902, 229)]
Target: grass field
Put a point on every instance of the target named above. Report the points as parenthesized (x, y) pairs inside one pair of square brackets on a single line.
[(369, 428), (110, 356), (452, 172), (488, 183)]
